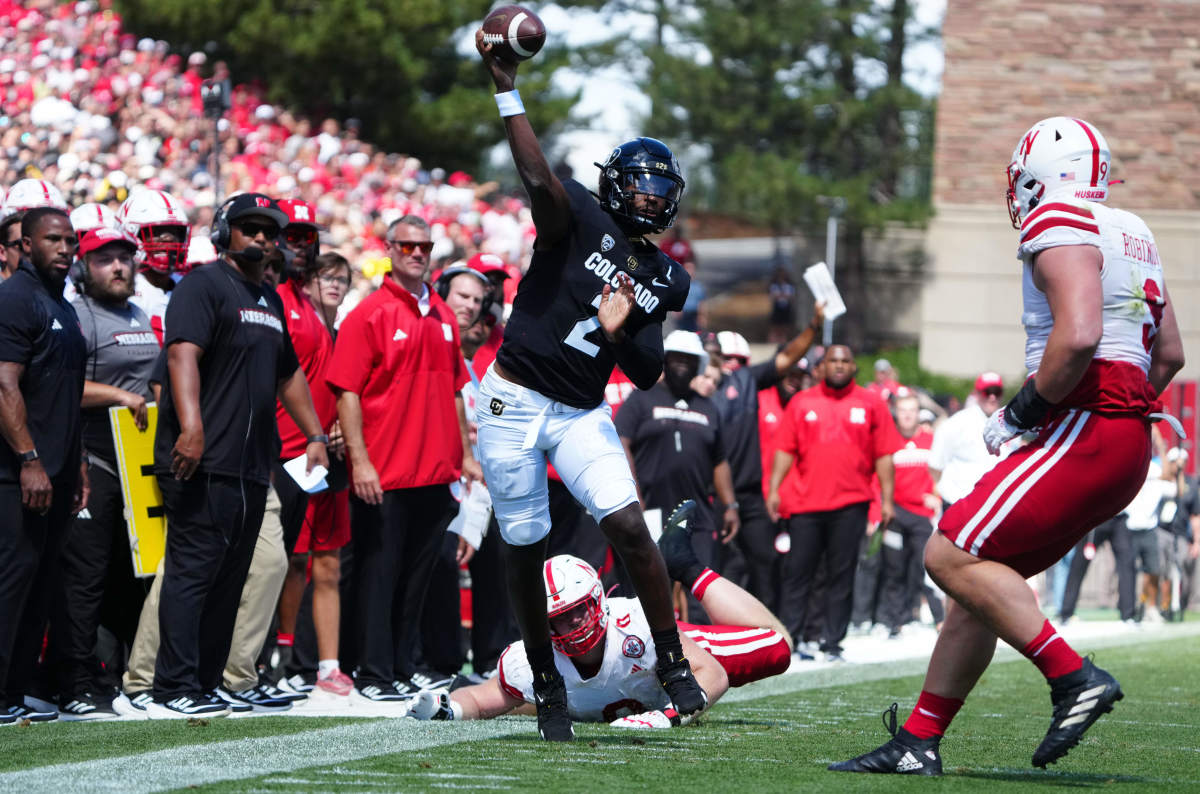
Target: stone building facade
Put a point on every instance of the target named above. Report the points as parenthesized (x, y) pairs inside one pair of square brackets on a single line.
[(1130, 68)]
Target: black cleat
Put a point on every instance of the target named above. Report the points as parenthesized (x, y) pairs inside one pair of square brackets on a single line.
[(554, 721), (675, 675), (676, 544), (1079, 699), (904, 754)]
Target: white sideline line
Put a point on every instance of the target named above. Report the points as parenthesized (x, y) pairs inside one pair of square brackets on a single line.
[(197, 764), (1084, 636), (239, 759)]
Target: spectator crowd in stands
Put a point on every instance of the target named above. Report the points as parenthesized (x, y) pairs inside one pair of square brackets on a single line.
[(803, 476)]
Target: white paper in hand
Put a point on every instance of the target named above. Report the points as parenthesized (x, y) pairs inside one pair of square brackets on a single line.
[(312, 482), (654, 518), (820, 281)]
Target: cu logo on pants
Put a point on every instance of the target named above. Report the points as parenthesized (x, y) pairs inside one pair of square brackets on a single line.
[(497, 407)]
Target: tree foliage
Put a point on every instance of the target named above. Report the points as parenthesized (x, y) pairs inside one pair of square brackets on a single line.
[(394, 64), (795, 103)]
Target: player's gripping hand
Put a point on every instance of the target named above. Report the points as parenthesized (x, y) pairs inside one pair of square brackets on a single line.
[(651, 720), (433, 705), (504, 73), (997, 430), (615, 306), (1025, 412)]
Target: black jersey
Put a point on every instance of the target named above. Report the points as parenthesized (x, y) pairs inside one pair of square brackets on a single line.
[(553, 341), (247, 353)]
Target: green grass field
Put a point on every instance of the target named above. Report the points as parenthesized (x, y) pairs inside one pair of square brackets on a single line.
[(775, 735)]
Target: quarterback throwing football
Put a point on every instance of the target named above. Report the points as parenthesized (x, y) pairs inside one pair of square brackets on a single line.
[(602, 652), (595, 295)]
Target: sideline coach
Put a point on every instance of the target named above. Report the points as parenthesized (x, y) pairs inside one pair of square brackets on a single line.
[(228, 357), (42, 355)]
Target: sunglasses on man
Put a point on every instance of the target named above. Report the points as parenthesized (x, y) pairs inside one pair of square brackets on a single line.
[(251, 229), (406, 247)]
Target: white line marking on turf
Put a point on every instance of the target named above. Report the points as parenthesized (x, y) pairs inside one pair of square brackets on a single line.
[(1083, 636), (196, 764)]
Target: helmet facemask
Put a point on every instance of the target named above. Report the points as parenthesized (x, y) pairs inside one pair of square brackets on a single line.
[(163, 256), (641, 186), (588, 633)]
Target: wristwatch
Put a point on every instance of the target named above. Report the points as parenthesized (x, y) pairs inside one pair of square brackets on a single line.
[(28, 457), (732, 506), (321, 438)]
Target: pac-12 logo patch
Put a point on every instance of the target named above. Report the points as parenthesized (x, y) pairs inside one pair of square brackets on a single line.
[(607, 243), (496, 406), (633, 647)]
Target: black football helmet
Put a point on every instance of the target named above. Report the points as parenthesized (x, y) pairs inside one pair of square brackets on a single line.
[(641, 166)]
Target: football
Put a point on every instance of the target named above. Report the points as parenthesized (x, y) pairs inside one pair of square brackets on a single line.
[(515, 33)]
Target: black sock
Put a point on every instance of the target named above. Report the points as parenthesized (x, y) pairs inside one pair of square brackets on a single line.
[(667, 645), (541, 661), (692, 573)]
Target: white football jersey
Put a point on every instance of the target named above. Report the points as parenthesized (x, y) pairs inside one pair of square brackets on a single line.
[(150, 299), (626, 684), (1131, 277)]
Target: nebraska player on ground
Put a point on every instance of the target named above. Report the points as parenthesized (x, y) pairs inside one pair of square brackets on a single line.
[(1102, 344), (604, 652)]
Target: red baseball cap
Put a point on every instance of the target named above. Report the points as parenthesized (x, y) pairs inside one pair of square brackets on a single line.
[(989, 380), (298, 212), (487, 264), (99, 237)]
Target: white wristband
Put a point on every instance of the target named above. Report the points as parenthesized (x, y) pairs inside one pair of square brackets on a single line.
[(510, 103), (456, 711)]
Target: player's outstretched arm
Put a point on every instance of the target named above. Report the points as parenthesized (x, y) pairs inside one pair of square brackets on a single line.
[(484, 701), (548, 198)]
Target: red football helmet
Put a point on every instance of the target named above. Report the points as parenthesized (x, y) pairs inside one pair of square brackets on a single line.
[(573, 584)]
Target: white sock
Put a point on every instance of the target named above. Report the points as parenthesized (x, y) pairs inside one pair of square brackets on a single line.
[(325, 667)]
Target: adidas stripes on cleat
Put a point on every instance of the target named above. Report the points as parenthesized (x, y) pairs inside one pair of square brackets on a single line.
[(1079, 699), (904, 754)]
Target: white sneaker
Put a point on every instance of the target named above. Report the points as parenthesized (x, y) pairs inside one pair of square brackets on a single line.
[(132, 708)]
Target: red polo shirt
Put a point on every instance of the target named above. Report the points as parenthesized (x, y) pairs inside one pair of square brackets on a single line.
[(770, 417), (314, 349), (405, 368), (836, 436), (912, 472)]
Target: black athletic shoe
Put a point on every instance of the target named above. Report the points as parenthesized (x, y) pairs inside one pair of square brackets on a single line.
[(1079, 698), (27, 712), (676, 678), (382, 693), (904, 754), (550, 696), (86, 706), (676, 543)]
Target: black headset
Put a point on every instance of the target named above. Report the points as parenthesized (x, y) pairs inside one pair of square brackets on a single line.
[(442, 288), (219, 233)]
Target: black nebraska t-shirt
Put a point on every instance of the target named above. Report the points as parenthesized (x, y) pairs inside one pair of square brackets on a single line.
[(40, 331), (247, 352), (553, 341), (676, 445)]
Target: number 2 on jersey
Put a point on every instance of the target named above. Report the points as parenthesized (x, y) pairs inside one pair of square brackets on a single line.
[(581, 329)]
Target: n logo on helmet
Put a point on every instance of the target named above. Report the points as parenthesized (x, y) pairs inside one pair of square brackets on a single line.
[(1027, 144)]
